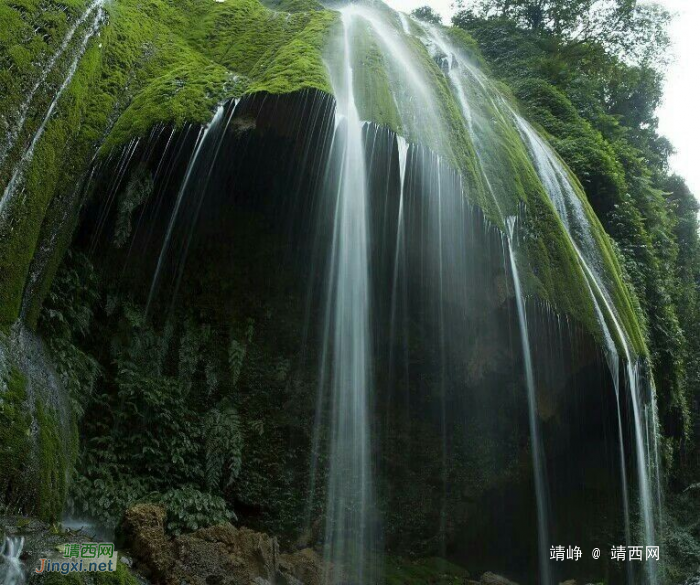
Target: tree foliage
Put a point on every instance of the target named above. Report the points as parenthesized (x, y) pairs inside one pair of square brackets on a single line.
[(627, 28), (427, 14)]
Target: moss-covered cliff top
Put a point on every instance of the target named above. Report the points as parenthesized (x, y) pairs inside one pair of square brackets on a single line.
[(171, 62), (205, 52)]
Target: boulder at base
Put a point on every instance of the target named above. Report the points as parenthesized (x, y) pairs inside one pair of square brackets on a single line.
[(219, 555)]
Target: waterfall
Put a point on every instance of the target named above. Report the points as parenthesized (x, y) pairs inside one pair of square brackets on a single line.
[(28, 155), (11, 569), (409, 271), (350, 535), (572, 214), (197, 176), (466, 82), (538, 464)]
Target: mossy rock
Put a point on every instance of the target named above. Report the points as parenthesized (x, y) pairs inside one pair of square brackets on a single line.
[(15, 439), (153, 62), (428, 571), (36, 449), (56, 457), (159, 63)]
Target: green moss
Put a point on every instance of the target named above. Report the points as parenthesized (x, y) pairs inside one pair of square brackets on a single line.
[(211, 51), (625, 301), (56, 457), (35, 470), (433, 571), (293, 5), (372, 84), (185, 94), (462, 40), (60, 155), (15, 437)]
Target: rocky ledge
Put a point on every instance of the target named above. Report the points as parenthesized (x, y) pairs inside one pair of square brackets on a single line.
[(219, 555)]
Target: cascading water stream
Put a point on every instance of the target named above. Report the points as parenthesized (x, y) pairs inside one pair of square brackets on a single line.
[(538, 464), (23, 109), (570, 209), (208, 141), (349, 515), (449, 59), (11, 569), (402, 147), (18, 173), (451, 65), (433, 220)]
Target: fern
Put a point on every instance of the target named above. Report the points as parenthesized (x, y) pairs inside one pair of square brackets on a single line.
[(190, 509), (138, 190), (224, 447)]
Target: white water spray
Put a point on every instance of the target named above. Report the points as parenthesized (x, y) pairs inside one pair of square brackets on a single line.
[(11, 569)]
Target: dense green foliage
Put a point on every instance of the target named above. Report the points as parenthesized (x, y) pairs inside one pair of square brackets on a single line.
[(182, 411), (427, 14), (596, 99), (681, 534), (636, 30), (156, 437)]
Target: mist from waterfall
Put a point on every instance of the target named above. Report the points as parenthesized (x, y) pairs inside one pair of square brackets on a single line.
[(11, 569)]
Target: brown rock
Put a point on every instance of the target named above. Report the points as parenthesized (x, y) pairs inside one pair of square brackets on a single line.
[(226, 555), (143, 529), (304, 565), (219, 555)]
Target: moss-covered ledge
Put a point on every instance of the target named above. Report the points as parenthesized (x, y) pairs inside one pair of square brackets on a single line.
[(224, 50)]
